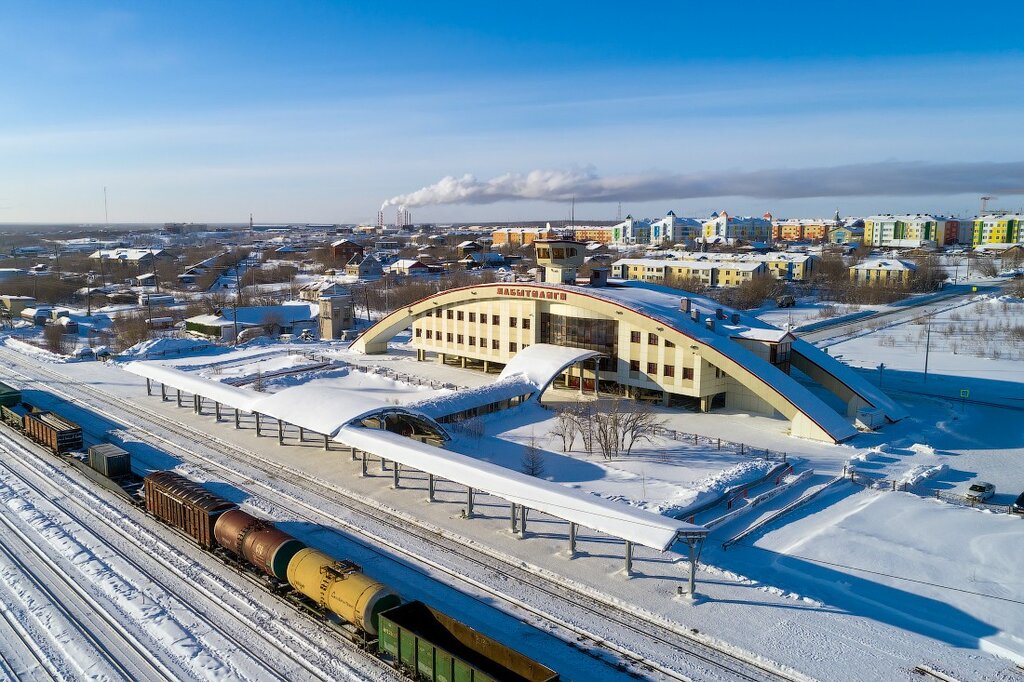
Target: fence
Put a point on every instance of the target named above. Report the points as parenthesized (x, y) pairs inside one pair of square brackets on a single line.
[(744, 449), (902, 486)]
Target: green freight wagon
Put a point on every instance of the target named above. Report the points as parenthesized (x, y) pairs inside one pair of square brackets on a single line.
[(9, 396), (434, 646)]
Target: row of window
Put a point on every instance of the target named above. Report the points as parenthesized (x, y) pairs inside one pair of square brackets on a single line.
[(666, 370), (451, 337), (460, 315), (652, 340)]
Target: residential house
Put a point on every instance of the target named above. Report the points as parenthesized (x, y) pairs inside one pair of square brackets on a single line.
[(366, 267), (345, 250), (488, 259), (731, 229), (882, 271), (290, 318), (521, 236), (407, 267), (313, 291)]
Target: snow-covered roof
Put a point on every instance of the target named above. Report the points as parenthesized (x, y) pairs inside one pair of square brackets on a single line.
[(446, 404), (320, 408), (484, 257), (542, 362), (893, 264), (175, 378), (126, 254), (614, 518), (768, 335)]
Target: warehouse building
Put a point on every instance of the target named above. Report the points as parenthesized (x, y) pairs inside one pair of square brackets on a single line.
[(651, 343)]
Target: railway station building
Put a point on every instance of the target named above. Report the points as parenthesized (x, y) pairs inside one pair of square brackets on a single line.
[(651, 343)]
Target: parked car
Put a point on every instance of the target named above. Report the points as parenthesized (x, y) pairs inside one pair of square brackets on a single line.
[(1018, 505), (980, 491)]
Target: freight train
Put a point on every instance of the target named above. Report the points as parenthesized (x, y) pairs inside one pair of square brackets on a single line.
[(426, 643), (47, 428), (421, 641)]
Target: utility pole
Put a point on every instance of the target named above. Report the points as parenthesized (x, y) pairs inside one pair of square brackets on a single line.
[(927, 346)]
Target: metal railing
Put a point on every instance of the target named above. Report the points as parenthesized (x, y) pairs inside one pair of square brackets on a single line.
[(719, 443)]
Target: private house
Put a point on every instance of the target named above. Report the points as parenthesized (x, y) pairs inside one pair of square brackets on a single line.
[(364, 267), (290, 318)]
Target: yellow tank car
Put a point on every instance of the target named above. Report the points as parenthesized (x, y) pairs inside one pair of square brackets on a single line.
[(341, 588)]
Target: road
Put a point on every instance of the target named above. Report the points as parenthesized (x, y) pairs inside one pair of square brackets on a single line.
[(844, 330)]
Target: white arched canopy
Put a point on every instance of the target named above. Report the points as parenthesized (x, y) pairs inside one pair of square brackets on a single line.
[(542, 362)]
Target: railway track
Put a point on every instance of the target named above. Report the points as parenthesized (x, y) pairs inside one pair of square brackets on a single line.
[(66, 493), (92, 623), (681, 654)]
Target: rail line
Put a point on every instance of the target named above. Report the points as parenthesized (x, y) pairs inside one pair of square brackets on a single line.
[(30, 645), (594, 610), (107, 519), (16, 539)]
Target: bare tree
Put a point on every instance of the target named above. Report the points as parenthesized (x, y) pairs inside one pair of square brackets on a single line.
[(53, 336), (532, 463), (130, 329), (565, 428), (606, 431), (637, 422)]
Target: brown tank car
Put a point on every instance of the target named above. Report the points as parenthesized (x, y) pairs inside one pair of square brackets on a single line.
[(184, 504), (257, 541)]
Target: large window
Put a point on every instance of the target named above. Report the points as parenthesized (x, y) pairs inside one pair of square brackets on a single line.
[(577, 332)]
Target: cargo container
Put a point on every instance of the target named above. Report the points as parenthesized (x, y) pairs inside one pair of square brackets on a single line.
[(14, 416), (184, 504), (110, 460), (257, 541), (53, 431), (9, 395), (434, 646)]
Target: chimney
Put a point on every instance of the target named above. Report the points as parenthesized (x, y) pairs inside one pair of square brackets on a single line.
[(735, 318), (695, 315), (710, 323), (719, 313), (684, 304)]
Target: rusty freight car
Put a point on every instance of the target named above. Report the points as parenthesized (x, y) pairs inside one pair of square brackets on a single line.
[(53, 431), (185, 504)]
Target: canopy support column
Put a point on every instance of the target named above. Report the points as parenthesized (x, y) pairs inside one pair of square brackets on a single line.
[(469, 503), (430, 487), (597, 376), (572, 538), (522, 520), (629, 558), (327, 442), (149, 388), (397, 469), (512, 515), (363, 457), (216, 409), (163, 392), (302, 435), (580, 365), (237, 424), (179, 397), (257, 415), (196, 404), (280, 432), (694, 543)]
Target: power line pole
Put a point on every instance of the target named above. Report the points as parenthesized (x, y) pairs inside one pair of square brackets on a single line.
[(927, 346)]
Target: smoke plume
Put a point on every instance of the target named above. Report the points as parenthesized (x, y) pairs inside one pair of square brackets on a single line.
[(889, 178)]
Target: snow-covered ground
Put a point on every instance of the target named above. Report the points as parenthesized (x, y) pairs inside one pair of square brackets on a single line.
[(856, 585)]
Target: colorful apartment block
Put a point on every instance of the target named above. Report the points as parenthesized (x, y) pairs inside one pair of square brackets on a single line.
[(738, 228), (882, 271), (998, 229)]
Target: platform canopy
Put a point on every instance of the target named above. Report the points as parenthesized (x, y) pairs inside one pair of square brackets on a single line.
[(318, 408), (614, 518)]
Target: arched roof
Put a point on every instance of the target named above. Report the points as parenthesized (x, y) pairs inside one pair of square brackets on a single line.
[(641, 301), (540, 363)]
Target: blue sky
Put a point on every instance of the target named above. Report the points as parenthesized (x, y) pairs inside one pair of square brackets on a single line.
[(322, 111)]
